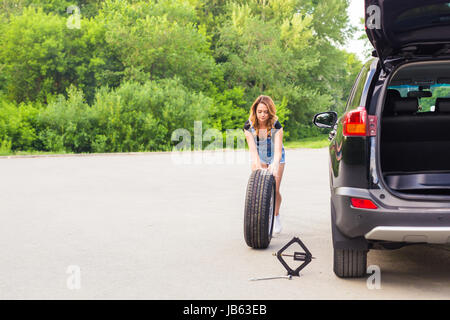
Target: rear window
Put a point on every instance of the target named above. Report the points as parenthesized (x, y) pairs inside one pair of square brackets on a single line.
[(425, 104), (422, 17)]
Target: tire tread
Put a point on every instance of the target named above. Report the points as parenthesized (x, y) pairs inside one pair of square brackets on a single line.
[(349, 263), (260, 188)]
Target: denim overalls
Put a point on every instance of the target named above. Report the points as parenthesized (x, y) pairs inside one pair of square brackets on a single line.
[(266, 148)]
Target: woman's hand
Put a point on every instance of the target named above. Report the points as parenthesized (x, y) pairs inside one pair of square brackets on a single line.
[(256, 165), (273, 168)]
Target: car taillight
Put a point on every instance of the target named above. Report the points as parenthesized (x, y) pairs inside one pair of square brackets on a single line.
[(354, 122), (363, 203)]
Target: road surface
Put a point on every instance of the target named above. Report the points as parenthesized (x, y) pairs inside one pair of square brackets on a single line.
[(149, 226)]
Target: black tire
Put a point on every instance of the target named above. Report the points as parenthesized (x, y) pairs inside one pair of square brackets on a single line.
[(350, 263), (350, 254), (259, 209)]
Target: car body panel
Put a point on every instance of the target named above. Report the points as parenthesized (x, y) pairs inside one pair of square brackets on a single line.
[(354, 162), (354, 170), (394, 25), (355, 222), (348, 155)]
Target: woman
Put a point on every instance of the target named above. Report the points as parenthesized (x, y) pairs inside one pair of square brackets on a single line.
[(264, 135)]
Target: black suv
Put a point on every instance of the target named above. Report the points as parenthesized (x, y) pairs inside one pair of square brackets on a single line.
[(390, 150)]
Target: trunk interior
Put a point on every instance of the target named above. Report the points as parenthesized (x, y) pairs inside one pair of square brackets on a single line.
[(415, 130)]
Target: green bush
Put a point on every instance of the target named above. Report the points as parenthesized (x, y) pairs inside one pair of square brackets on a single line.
[(133, 117), (17, 125)]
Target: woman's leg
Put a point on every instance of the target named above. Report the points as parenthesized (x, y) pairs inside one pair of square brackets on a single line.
[(278, 182)]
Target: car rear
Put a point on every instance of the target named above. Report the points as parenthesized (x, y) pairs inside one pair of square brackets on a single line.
[(390, 163)]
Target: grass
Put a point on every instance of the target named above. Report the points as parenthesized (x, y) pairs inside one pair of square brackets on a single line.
[(27, 153), (310, 143)]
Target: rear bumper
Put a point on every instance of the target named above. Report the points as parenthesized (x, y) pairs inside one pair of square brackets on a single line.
[(394, 224), (410, 234)]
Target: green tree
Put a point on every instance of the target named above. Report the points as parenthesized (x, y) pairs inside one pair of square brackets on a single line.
[(41, 56), (283, 48), (158, 40)]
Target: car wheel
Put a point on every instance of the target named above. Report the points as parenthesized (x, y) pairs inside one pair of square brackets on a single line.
[(350, 263), (350, 255), (259, 209)]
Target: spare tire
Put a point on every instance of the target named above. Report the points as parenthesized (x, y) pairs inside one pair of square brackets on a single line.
[(259, 209)]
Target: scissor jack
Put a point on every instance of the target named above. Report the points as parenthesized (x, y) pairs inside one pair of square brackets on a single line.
[(298, 256), (306, 257)]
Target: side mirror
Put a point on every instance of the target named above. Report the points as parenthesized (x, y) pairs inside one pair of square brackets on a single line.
[(325, 119)]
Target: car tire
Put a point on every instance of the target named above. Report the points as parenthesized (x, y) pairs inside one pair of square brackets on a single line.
[(350, 263), (350, 254), (259, 209)]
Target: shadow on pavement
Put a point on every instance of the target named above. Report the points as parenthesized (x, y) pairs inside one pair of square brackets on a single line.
[(425, 266)]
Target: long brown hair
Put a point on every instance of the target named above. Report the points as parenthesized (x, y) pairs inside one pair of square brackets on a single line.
[(267, 101)]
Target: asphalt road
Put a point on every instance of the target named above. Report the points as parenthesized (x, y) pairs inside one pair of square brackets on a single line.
[(145, 226)]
